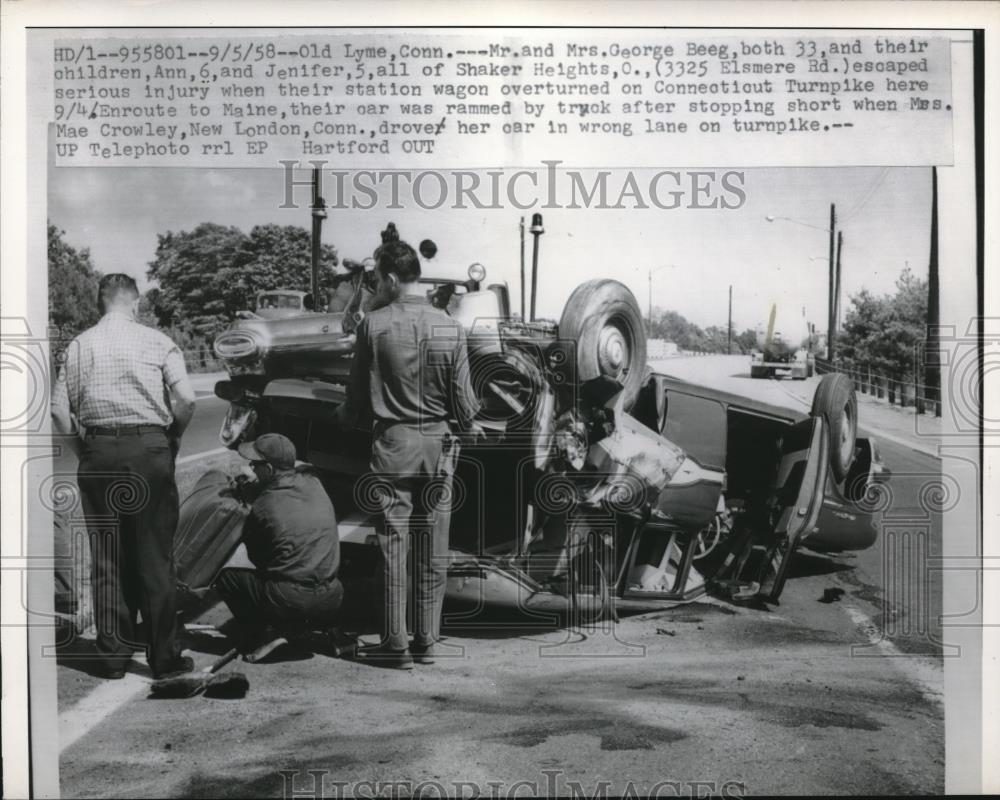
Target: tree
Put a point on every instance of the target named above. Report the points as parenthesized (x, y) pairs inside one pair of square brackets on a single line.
[(72, 287), (279, 257), (716, 339), (192, 269), (207, 275), (884, 333), (746, 341), (675, 328)]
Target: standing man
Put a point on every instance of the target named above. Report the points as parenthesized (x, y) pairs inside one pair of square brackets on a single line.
[(126, 388), (291, 538), (410, 373)]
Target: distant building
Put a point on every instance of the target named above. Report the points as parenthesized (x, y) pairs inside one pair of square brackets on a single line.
[(661, 348)]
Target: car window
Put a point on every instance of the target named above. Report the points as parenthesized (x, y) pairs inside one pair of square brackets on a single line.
[(698, 425)]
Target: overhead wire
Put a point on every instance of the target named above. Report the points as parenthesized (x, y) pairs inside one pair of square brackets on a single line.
[(867, 195)]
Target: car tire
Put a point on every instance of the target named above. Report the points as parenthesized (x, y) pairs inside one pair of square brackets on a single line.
[(602, 317), (836, 402)]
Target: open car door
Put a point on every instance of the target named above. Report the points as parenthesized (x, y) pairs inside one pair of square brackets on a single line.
[(762, 555), (799, 497)]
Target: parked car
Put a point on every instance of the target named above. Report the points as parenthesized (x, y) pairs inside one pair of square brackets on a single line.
[(279, 304), (598, 478)]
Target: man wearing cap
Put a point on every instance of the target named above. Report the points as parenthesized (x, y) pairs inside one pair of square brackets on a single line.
[(410, 373), (291, 538), (126, 388)]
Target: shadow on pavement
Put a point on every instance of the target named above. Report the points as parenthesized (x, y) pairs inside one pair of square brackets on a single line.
[(806, 565), (81, 655)]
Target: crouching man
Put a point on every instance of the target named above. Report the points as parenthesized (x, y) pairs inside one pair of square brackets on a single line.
[(291, 538)]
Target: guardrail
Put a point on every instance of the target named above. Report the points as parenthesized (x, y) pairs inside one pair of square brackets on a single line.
[(905, 392)]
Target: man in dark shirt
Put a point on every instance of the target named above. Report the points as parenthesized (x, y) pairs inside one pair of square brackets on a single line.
[(291, 538), (410, 373)]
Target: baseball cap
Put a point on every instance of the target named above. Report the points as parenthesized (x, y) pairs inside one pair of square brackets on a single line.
[(275, 449)]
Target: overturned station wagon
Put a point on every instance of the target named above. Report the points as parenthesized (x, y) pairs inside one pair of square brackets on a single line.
[(600, 482)]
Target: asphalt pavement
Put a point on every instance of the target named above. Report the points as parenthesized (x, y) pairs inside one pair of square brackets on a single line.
[(830, 692)]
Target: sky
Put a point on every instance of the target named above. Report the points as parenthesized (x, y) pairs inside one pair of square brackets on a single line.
[(695, 254)]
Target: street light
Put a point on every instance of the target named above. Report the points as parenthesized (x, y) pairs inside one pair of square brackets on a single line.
[(773, 218), (834, 281)]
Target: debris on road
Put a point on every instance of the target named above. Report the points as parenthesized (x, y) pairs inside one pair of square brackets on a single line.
[(232, 684), (227, 686), (832, 595), (269, 643)]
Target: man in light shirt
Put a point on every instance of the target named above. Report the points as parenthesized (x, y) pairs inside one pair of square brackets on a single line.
[(121, 403)]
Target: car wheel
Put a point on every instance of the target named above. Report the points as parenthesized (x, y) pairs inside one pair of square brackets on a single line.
[(603, 318), (836, 401)]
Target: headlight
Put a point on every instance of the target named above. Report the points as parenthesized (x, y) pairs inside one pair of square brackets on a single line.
[(236, 344), (477, 272)]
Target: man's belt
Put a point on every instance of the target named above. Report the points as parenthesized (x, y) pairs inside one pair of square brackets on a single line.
[(309, 584), (125, 430)]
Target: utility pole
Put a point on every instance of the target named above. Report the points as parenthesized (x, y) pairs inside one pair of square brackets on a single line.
[(932, 349), (649, 310), (536, 230), (318, 215), (524, 306), (830, 319), (836, 280), (729, 326)]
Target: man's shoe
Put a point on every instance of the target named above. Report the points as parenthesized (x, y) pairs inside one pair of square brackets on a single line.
[(113, 673), (381, 655), (423, 653), (179, 666)]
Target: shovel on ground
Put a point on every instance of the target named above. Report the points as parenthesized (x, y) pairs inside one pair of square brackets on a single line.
[(229, 685)]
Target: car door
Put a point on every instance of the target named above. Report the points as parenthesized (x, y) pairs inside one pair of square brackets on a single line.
[(797, 497)]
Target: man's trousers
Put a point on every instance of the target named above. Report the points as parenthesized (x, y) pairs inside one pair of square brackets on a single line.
[(254, 598), (414, 469), (130, 504)]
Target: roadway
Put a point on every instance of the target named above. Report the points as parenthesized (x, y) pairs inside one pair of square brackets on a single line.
[(807, 697)]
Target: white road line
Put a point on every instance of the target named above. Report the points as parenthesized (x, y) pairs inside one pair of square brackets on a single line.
[(922, 670), (97, 706), (202, 455)]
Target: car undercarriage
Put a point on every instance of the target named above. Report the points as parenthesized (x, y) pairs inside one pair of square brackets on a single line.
[(597, 478)]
